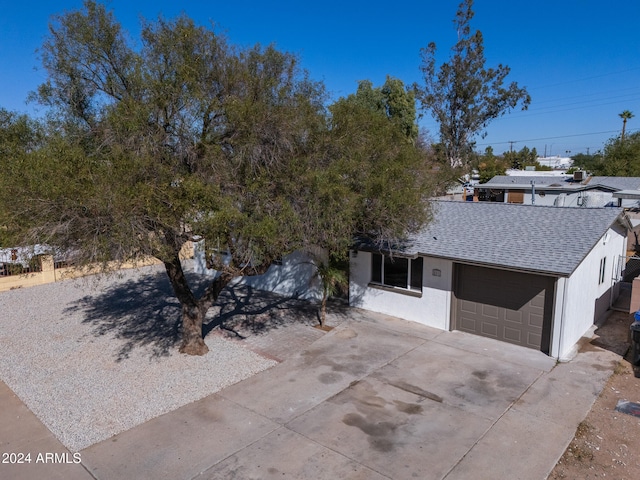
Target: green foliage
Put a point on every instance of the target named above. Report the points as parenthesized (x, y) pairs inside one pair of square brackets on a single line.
[(590, 163), (19, 137), (18, 134), (524, 158), (386, 176), (625, 115), (181, 137), (462, 94), (489, 165), (622, 157), (184, 138), (392, 100)]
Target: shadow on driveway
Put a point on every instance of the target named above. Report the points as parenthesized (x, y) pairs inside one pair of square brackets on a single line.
[(145, 312)]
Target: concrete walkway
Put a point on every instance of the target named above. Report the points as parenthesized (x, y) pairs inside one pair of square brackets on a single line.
[(376, 398)]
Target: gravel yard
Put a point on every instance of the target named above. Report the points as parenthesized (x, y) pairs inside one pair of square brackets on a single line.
[(96, 356)]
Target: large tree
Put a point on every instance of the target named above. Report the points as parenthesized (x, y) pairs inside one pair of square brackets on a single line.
[(463, 95), (489, 165), (373, 179), (19, 136), (592, 163), (621, 157), (521, 159), (372, 148), (391, 100), (182, 137)]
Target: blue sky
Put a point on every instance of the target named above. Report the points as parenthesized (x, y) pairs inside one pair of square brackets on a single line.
[(579, 59)]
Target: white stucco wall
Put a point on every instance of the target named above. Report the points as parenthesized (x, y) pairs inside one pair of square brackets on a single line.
[(432, 308), (576, 296), (589, 198), (579, 298), (295, 277), (546, 199)]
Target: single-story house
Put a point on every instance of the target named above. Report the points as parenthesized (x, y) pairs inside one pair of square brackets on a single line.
[(561, 191), (536, 276)]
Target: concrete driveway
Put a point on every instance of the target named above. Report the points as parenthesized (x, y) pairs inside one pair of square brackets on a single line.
[(375, 398)]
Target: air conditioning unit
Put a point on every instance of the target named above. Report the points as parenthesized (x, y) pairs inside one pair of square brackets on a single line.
[(579, 175)]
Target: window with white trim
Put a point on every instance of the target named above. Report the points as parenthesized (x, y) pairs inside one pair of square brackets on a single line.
[(397, 272)]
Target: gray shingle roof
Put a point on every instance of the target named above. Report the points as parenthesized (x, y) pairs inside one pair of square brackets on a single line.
[(542, 239), (617, 183), (614, 183), (526, 180)]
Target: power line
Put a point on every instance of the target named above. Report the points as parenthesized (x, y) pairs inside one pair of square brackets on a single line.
[(531, 113), (546, 138), (585, 78), (595, 94), (629, 97)]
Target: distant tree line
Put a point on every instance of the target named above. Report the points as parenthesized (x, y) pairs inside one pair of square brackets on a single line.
[(620, 158)]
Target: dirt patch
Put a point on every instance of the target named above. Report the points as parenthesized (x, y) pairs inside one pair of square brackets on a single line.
[(607, 442), (324, 328)]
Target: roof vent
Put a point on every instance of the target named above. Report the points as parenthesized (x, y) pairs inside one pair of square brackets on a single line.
[(578, 175)]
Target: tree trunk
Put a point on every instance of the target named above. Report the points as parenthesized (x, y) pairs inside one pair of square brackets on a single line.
[(323, 306), (192, 341), (193, 310), (323, 310)]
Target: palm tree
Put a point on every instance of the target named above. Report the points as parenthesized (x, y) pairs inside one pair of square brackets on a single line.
[(625, 115)]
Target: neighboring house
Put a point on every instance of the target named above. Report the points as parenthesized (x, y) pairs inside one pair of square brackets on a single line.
[(560, 191), (25, 258), (534, 276)]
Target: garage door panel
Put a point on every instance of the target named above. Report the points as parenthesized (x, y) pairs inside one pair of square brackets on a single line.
[(468, 307), (489, 329), (513, 317), (538, 301), (508, 306), (534, 339), (513, 335), (467, 324), (489, 311), (503, 290), (536, 320)]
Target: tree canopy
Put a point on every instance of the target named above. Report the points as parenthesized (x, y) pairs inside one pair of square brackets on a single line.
[(489, 165), (589, 162), (183, 137), (522, 158), (462, 94), (392, 100), (621, 157)]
